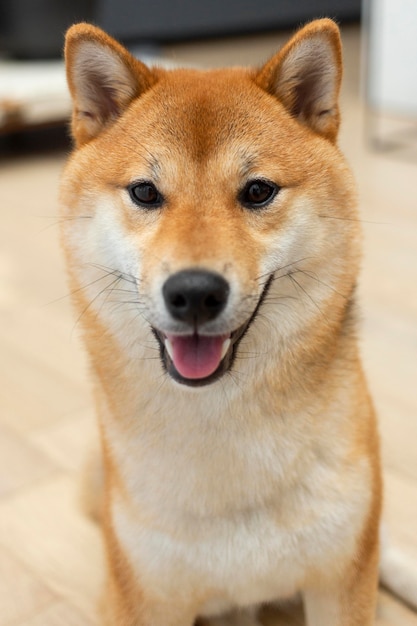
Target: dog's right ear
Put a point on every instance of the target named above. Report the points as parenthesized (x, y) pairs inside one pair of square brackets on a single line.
[(103, 79)]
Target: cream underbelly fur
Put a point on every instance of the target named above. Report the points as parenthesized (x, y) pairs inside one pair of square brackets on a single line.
[(231, 511)]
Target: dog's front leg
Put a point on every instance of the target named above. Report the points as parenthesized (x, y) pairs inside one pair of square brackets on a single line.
[(127, 602), (347, 601), (135, 608)]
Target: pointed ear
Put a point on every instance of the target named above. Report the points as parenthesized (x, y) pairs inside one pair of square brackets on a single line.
[(306, 76), (103, 79)]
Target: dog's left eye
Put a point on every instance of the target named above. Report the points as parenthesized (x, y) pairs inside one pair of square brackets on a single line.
[(258, 193), (146, 195)]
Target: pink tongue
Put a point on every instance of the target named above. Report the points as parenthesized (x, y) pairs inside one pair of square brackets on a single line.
[(196, 356)]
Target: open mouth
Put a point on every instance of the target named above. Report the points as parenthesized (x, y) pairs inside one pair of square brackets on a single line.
[(197, 359)]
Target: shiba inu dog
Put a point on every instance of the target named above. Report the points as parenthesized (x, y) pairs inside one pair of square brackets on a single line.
[(213, 247)]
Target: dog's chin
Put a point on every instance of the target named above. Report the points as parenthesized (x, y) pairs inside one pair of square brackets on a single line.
[(209, 357)]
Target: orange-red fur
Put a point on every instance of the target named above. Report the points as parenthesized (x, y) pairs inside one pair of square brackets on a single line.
[(289, 436)]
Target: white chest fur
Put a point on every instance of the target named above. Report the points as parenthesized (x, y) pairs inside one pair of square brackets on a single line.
[(244, 506)]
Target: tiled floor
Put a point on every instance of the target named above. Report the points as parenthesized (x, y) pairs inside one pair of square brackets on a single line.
[(51, 559)]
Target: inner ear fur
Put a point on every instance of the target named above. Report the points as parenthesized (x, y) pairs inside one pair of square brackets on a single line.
[(103, 78), (305, 76)]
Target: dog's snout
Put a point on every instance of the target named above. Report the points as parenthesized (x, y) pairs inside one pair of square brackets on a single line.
[(195, 296)]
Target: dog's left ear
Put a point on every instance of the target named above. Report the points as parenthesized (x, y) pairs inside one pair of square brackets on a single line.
[(305, 76)]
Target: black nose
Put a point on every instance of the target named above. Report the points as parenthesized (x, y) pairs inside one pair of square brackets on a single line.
[(195, 296)]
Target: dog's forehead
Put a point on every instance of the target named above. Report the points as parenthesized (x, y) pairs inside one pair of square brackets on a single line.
[(202, 115), (216, 94), (208, 104)]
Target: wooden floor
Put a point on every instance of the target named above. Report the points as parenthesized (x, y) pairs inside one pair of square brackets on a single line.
[(51, 559)]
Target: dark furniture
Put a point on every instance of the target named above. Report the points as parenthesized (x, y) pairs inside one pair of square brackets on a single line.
[(35, 28)]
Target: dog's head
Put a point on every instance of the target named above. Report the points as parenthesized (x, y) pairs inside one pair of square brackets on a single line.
[(211, 195)]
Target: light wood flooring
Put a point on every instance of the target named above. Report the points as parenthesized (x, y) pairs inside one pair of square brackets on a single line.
[(51, 559)]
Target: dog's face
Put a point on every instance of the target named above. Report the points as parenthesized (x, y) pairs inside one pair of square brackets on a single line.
[(213, 195)]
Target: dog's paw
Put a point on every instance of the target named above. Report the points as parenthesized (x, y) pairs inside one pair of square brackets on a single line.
[(398, 572)]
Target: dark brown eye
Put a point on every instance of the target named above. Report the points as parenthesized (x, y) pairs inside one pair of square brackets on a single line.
[(258, 193), (145, 195)]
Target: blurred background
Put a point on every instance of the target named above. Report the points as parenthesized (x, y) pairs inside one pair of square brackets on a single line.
[(51, 559), (33, 90), (33, 93), (33, 28)]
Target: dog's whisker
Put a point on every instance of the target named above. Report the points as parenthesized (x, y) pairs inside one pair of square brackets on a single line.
[(80, 289), (313, 276), (91, 302), (299, 286), (275, 274), (60, 219), (351, 219)]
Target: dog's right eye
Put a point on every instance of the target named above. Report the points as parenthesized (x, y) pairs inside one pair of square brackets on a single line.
[(258, 193), (145, 195)]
